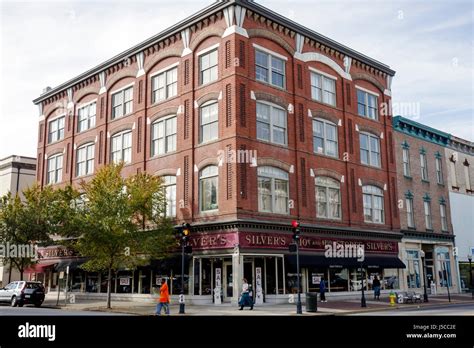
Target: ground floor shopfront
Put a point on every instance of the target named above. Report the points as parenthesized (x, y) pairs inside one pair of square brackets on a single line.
[(221, 258), (430, 257)]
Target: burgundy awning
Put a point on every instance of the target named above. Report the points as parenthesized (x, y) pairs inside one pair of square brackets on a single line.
[(40, 267)]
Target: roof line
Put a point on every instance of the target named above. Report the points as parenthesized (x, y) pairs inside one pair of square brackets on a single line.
[(215, 7)]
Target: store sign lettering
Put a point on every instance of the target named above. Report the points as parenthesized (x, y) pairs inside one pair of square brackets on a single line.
[(55, 252), (214, 241)]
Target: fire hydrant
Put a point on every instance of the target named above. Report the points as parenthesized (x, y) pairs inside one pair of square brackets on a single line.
[(392, 298)]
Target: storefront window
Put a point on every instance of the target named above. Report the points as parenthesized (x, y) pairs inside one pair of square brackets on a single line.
[(390, 279), (338, 279), (355, 280), (270, 275), (373, 272), (124, 282), (413, 270), (92, 282), (314, 278), (444, 266), (146, 280)]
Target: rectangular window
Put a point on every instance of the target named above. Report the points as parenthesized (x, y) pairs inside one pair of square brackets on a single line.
[(444, 219), (164, 85), (55, 169), (410, 213), (269, 69), (169, 186), (271, 124), (423, 167), (122, 102), (163, 136), (323, 89), (413, 269), (406, 162), (208, 67), (427, 210), (466, 176), (122, 147), (209, 122), (367, 104), (85, 160), (325, 138), (369, 150), (56, 129), (439, 171), (86, 117)]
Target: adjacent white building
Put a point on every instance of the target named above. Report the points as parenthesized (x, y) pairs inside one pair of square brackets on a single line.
[(16, 174)]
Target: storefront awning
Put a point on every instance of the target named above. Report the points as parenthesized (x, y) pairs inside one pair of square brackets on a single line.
[(370, 261), (73, 264), (40, 267)]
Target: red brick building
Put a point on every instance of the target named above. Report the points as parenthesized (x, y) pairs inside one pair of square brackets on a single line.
[(253, 121)]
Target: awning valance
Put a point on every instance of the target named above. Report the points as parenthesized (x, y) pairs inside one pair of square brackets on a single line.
[(40, 267), (73, 264)]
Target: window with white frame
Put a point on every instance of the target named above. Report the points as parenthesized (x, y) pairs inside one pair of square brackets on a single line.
[(323, 88), (439, 170), (413, 269), (373, 204), (208, 188), (427, 211), (56, 129), (86, 117), (169, 188), (410, 212), (406, 161), (269, 68), (122, 102), (328, 198), (209, 121), (122, 147), (369, 149), (163, 136), (208, 67), (423, 166), (273, 190), (271, 123), (367, 104), (325, 138), (85, 159), (164, 85), (55, 169), (444, 218)]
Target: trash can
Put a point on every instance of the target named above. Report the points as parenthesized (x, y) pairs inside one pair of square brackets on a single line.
[(311, 302)]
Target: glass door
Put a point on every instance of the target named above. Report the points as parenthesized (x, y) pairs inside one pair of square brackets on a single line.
[(227, 281)]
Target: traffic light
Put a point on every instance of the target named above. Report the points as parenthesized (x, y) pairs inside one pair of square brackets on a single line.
[(185, 235), (296, 229)]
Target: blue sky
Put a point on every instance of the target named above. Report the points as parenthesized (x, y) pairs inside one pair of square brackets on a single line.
[(428, 43)]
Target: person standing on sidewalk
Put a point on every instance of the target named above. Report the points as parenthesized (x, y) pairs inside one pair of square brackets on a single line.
[(245, 299), (164, 300), (322, 290), (376, 287)]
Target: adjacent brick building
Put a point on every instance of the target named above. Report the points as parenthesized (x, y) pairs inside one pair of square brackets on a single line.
[(428, 241), (253, 121)]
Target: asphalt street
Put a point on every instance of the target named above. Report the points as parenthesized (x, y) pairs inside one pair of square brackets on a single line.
[(6, 310), (452, 309)]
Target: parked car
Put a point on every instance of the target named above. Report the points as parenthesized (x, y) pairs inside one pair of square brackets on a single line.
[(23, 292)]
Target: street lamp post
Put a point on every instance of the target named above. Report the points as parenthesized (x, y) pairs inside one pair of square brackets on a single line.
[(469, 257), (425, 293), (362, 299)]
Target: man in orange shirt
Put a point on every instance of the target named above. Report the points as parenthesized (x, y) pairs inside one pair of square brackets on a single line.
[(164, 298)]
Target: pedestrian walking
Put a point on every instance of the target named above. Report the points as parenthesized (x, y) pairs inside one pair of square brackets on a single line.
[(376, 287), (245, 298), (322, 290), (164, 300)]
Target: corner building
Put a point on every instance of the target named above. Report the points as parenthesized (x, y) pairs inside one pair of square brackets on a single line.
[(253, 121)]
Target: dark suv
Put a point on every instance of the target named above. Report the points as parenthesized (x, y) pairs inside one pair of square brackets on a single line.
[(23, 292)]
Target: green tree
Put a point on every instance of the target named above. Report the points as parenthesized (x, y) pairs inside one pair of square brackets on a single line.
[(123, 224)]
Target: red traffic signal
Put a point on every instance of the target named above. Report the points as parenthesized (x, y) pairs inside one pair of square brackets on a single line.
[(296, 229), (295, 224)]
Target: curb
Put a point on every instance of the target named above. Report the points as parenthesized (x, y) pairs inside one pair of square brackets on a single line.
[(402, 308)]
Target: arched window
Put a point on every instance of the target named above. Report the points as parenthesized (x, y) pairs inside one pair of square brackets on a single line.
[(85, 159), (169, 188), (328, 198), (373, 204), (208, 188), (273, 190), (209, 122)]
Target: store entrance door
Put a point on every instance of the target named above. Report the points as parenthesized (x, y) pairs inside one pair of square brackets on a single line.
[(228, 285)]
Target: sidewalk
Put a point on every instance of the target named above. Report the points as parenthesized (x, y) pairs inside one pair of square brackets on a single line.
[(334, 307)]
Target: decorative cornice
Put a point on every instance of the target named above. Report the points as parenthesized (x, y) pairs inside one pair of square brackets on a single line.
[(420, 131), (428, 236)]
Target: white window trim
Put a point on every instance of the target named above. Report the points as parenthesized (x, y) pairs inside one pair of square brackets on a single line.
[(121, 133), (165, 69), (209, 49), (367, 91), (325, 137), (83, 105), (370, 151), (266, 50), (121, 89), (271, 123), (54, 118), (158, 120), (322, 73), (84, 146)]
